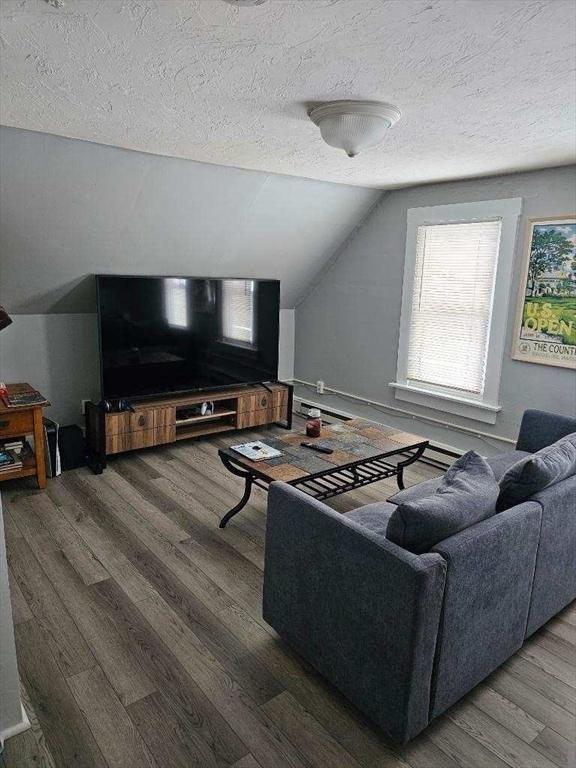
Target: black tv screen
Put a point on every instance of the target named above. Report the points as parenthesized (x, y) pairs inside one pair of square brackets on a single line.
[(175, 334)]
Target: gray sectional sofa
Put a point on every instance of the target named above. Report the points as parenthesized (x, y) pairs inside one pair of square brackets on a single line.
[(404, 635)]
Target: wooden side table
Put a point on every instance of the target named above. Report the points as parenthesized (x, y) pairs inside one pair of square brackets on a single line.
[(23, 421)]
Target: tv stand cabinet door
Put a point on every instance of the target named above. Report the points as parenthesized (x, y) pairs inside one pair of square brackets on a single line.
[(254, 401), (125, 423), (260, 408), (142, 438), (165, 425), (144, 428), (129, 441)]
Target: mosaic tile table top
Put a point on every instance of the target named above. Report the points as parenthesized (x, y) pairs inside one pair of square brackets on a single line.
[(352, 441), (363, 452)]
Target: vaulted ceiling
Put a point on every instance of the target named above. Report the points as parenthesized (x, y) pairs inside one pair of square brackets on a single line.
[(69, 209), (484, 87)]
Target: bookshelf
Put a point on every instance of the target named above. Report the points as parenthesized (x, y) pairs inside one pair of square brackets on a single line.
[(24, 421)]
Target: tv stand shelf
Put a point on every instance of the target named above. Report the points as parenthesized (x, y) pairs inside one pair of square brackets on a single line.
[(158, 421), (207, 417)]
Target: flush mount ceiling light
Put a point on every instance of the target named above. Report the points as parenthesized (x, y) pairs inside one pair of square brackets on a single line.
[(354, 125)]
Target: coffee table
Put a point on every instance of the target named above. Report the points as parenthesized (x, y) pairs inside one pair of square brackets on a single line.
[(364, 452)]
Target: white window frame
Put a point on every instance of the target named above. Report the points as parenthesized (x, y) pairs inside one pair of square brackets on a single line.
[(485, 406)]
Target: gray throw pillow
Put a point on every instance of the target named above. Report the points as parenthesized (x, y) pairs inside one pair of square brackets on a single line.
[(414, 492), (466, 495), (537, 471)]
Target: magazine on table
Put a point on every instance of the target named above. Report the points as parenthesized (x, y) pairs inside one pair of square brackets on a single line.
[(256, 451)]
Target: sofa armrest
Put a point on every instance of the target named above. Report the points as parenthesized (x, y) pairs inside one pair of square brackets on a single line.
[(361, 610), (541, 428), (486, 599), (555, 579)]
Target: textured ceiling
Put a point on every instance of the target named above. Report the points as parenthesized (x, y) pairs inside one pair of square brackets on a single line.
[(485, 86)]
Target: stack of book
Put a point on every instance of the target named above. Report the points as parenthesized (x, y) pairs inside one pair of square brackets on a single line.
[(10, 456), (22, 399)]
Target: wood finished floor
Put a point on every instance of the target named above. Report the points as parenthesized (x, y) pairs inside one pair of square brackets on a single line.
[(141, 644)]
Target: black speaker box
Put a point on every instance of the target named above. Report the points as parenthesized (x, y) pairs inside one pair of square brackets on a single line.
[(72, 447)]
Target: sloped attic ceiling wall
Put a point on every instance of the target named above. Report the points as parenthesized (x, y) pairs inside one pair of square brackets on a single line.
[(70, 208)]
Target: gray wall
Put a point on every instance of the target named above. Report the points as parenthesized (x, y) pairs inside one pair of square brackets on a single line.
[(347, 327), (70, 208)]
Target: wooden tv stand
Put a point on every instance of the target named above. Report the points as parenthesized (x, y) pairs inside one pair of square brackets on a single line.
[(161, 420)]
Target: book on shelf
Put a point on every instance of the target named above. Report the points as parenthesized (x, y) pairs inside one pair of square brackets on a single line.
[(9, 460), (15, 445), (6, 457)]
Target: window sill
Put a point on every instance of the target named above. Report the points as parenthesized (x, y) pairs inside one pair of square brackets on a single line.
[(461, 406)]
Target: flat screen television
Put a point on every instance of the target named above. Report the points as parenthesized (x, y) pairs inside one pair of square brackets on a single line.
[(178, 334)]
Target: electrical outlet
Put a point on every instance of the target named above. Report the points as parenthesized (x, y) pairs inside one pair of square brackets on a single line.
[(320, 387), (84, 404)]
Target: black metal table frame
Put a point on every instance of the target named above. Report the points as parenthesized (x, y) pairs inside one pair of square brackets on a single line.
[(329, 482)]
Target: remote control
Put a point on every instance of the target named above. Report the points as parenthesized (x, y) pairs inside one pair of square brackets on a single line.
[(318, 448)]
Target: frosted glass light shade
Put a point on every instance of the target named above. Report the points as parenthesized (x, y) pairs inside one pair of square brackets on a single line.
[(354, 125)]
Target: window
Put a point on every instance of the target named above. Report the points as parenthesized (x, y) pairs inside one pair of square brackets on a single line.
[(454, 306), (452, 300), (176, 302), (238, 311)]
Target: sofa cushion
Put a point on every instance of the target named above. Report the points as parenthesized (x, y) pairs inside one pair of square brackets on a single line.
[(415, 492), (375, 517), (555, 578), (537, 471), (486, 600), (466, 495), (499, 464)]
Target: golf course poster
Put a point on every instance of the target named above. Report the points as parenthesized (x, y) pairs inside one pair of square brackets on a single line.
[(545, 330)]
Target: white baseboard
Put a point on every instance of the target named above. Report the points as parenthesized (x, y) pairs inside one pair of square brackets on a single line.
[(14, 730)]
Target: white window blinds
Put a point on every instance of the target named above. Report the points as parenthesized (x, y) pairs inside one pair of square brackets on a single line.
[(176, 302), (238, 310), (452, 304)]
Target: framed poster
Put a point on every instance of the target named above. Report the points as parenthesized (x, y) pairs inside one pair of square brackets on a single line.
[(545, 328)]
